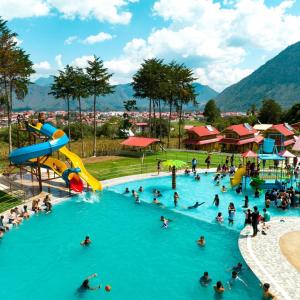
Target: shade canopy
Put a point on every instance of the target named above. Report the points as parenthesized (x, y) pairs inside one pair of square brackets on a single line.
[(287, 154), (296, 147), (174, 163), (140, 142), (249, 154)]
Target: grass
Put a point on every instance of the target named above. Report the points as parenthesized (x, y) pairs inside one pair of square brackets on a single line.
[(7, 201), (123, 166)]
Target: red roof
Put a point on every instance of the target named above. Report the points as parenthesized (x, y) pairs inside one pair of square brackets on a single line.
[(142, 142), (204, 142), (241, 129), (282, 129), (289, 142), (249, 154), (204, 130), (256, 140)]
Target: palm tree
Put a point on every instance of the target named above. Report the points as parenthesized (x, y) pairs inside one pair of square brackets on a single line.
[(61, 88), (174, 165), (98, 85), (79, 89)]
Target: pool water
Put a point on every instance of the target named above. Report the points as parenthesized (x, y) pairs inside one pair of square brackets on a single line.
[(190, 191), (42, 259)]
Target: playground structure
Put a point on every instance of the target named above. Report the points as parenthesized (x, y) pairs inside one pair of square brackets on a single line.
[(35, 156), (276, 176)]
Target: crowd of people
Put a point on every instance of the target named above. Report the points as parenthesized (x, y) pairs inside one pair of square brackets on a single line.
[(17, 215)]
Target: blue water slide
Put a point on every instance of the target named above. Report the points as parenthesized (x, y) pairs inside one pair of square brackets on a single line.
[(24, 154)]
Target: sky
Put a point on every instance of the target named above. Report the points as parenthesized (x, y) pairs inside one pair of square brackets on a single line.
[(221, 40)]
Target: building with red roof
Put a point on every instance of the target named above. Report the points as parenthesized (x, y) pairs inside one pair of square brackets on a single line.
[(139, 143), (239, 138), (202, 138), (283, 134)]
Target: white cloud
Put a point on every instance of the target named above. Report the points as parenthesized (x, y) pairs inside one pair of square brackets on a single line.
[(112, 11), (42, 66), (100, 37), (71, 39), (82, 62), (18, 41), (11, 9), (58, 60)]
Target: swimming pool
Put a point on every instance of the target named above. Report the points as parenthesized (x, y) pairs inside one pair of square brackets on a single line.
[(190, 191), (42, 259)]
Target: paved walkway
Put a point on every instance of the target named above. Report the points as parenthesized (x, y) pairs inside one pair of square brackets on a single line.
[(264, 257)]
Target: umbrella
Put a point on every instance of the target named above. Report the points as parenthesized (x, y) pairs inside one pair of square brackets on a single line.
[(174, 164), (249, 154), (286, 154)]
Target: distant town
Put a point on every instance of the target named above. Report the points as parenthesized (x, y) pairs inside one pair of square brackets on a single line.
[(103, 117)]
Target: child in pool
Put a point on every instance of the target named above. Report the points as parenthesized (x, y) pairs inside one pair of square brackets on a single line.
[(201, 241)]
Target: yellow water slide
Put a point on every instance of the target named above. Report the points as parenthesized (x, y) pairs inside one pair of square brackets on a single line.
[(238, 176), (84, 174)]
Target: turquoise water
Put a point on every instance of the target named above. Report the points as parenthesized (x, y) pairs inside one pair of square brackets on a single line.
[(204, 190), (42, 259)]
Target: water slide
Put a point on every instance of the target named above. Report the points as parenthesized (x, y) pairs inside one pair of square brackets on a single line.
[(57, 142), (238, 176)]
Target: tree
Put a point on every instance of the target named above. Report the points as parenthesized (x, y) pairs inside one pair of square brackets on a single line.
[(292, 115), (130, 105), (15, 71), (61, 88), (98, 85), (270, 112), (79, 90), (211, 111), (146, 84)]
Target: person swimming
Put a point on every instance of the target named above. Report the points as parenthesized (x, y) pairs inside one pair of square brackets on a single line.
[(205, 280), (164, 221), (219, 217), (86, 284), (223, 189), (218, 182), (238, 268), (217, 177), (141, 189), (86, 241), (219, 288), (197, 177), (216, 201), (137, 200), (159, 194), (197, 204), (201, 241), (127, 191)]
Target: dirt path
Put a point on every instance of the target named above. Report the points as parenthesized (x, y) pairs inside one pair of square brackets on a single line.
[(290, 247)]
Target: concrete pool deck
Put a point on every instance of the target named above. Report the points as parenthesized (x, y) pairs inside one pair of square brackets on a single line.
[(270, 264)]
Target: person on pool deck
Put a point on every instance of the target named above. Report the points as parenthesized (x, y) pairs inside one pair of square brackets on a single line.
[(267, 295), (248, 217), (2, 226), (219, 288), (235, 279), (246, 202), (86, 241), (86, 284), (205, 280), (201, 241), (127, 191), (194, 164), (176, 197), (141, 189), (164, 221), (219, 217), (216, 201), (197, 204), (254, 220), (25, 213)]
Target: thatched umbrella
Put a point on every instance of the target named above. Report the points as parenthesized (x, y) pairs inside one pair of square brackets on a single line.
[(174, 164)]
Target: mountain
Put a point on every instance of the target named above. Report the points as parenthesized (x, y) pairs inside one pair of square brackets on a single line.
[(278, 79), (38, 99)]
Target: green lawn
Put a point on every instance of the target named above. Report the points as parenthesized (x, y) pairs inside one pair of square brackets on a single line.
[(122, 166), (8, 201)]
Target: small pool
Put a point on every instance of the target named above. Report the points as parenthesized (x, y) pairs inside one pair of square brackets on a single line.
[(204, 190), (42, 259)]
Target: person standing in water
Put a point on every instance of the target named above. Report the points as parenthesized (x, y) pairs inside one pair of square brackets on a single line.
[(176, 197), (216, 201), (86, 284)]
